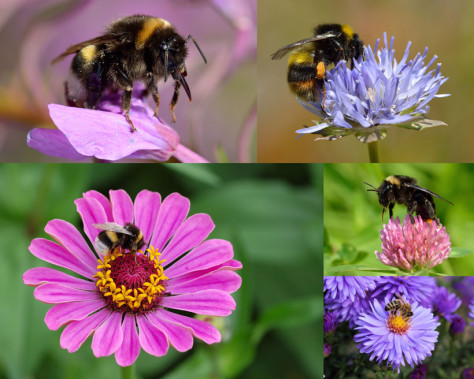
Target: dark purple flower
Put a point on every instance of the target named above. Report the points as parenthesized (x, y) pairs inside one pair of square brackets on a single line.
[(327, 350), (376, 94), (347, 310), (471, 311), (468, 373), (411, 288), (330, 322), (458, 324), (465, 287), (343, 287), (395, 338), (444, 303), (419, 372)]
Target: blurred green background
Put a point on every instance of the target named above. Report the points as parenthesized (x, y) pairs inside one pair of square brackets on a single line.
[(271, 214), (353, 216), (446, 27)]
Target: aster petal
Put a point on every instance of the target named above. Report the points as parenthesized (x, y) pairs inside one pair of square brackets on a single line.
[(152, 340), (52, 293), (108, 336), (91, 212), (146, 208), (103, 200), (200, 329), (41, 275), (207, 302), (171, 215), (227, 281), (191, 233), (179, 336), (207, 254), (75, 333), (122, 206), (69, 237), (61, 314), (51, 252), (128, 352)]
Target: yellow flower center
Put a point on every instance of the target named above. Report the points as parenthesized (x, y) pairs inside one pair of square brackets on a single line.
[(131, 282), (397, 323)]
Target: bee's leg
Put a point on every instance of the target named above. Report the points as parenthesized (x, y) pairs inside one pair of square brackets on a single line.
[(94, 90), (152, 87), (411, 209), (174, 100), (126, 84), (390, 209), (430, 208)]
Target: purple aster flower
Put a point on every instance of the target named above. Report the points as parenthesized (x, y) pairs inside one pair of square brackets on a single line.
[(411, 288), (465, 287), (395, 338), (458, 324), (105, 134), (468, 373), (327, 350), (330, 322), (128, 301), (413, 246), (471, 311), (376, 94), (347, 310), (419, 372), (444, 303), (343, 287)]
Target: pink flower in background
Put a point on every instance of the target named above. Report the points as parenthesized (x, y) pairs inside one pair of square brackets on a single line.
[(128, 301), (413, 246)]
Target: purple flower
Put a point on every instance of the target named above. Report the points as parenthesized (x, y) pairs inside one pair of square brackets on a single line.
[(395, 338), (411, 288), (128, 301), (468, 373), (471, 311), (465, 287), (414, 245), (343, 287), (105, 134), (444, 303), (419, 372), (327, 350), (458, 324), (376, 94), (347, 310), (330, 322)]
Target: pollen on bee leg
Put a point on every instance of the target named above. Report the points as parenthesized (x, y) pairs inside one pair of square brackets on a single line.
[(320, 70)]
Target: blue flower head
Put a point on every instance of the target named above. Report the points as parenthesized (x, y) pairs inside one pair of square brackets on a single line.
[(376, 94)]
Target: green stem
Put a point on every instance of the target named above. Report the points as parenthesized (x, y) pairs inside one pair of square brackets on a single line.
[(373, 152), (128, 372)]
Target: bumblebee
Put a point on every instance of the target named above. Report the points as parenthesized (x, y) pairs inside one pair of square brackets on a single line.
[(128, 237), (405, 190), (311, 57), (135, 48), (401, 306)]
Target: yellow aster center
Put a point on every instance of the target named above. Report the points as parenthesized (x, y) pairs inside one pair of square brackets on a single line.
[(131, 282), (397, 323)]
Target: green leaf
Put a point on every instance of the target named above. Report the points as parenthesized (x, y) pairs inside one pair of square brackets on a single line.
[(198, 172), (338, 269), (458, 252)]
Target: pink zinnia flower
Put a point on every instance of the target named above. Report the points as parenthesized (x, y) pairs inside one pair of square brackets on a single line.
[(127, 301), (413, 246)]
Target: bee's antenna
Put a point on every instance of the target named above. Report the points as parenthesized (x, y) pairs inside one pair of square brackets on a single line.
[(374, 189), (197, 46)]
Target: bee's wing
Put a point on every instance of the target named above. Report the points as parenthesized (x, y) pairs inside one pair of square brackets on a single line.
[(106, 38), (427, 191), (112, 227), (284, 50)]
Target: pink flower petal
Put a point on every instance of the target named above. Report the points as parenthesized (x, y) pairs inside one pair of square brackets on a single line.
[(69, 237), (172, 213), (62, 314), (208, 254), (52, 293), (53, 142), (122, 207), (147, 206), (192, 232), (208, 302), (180, 337), (227, 281), (103, 200), (200, 329), (91, 212), (152, 340), (108, 336), (51, 252), (41, 275), (75, 333), (128, 352)]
